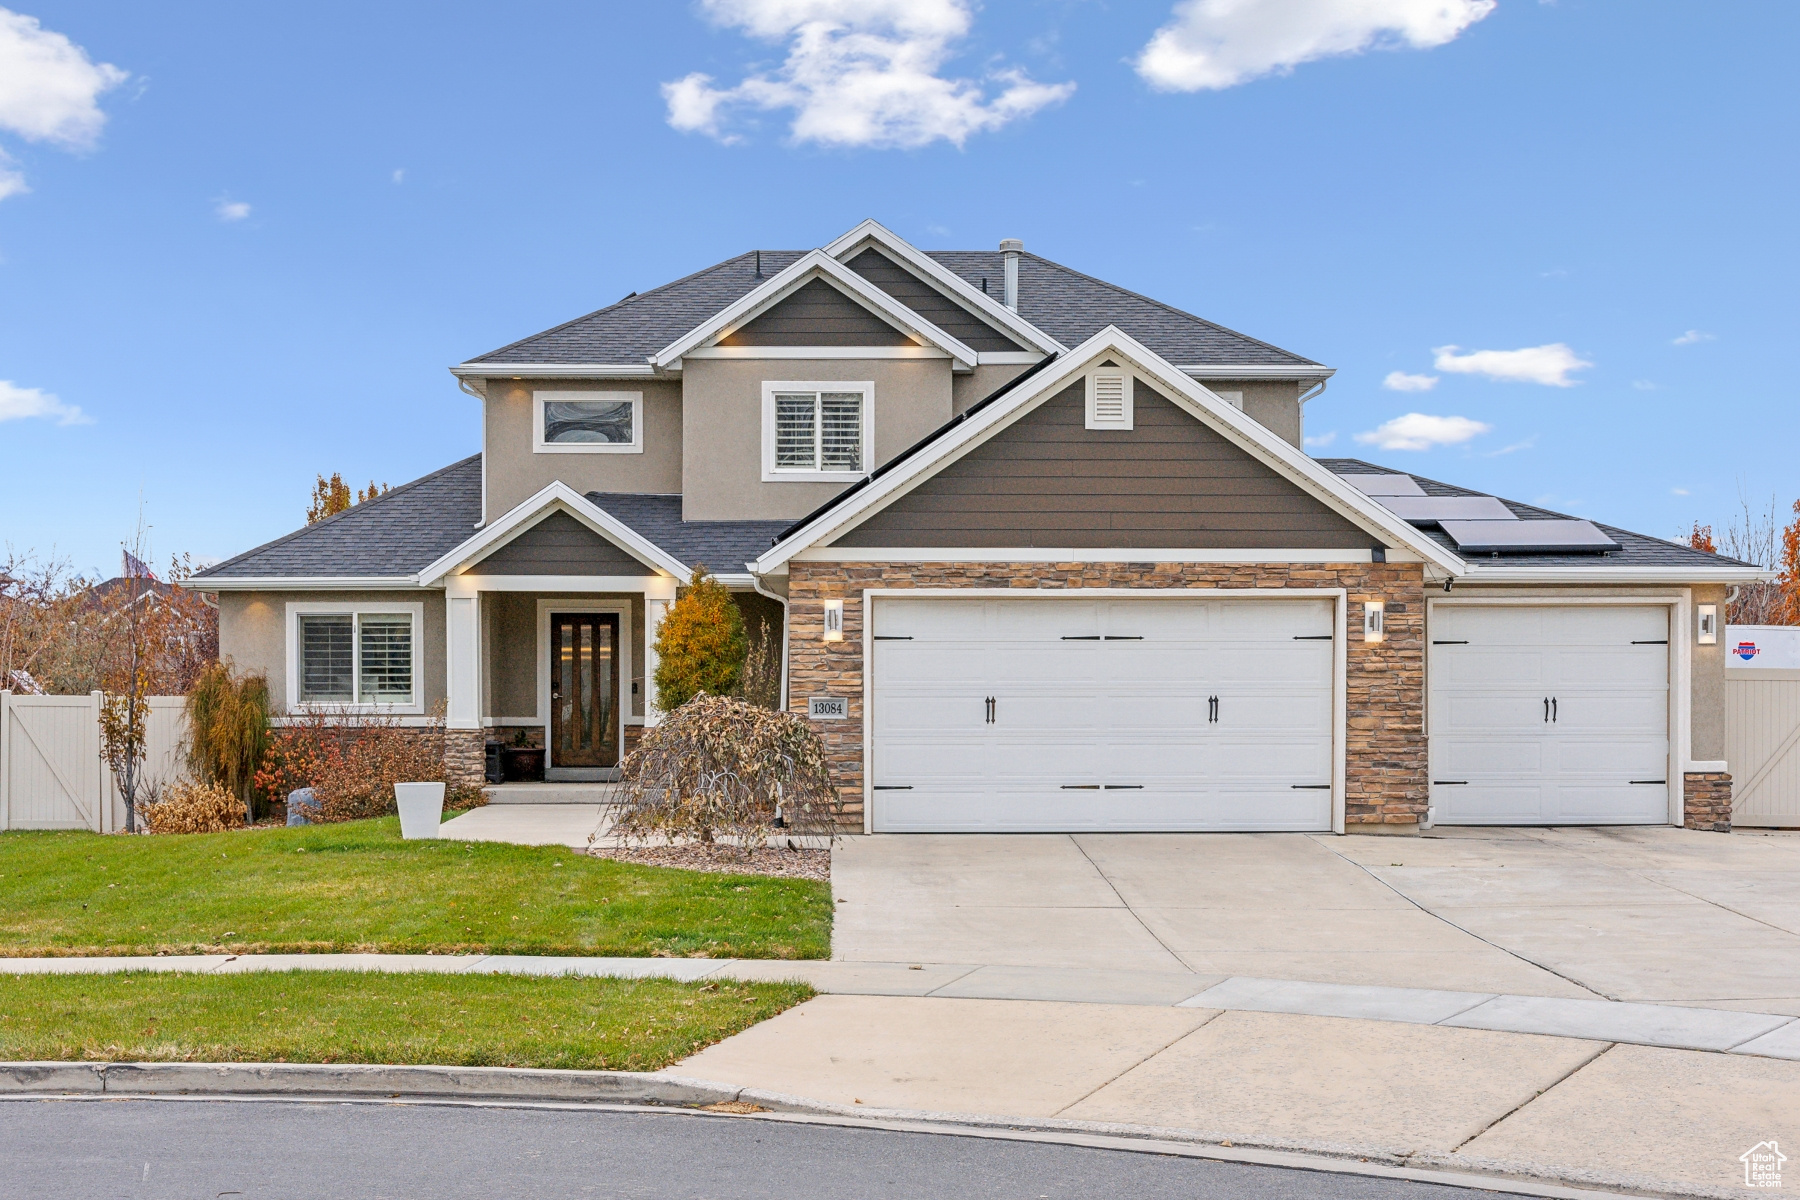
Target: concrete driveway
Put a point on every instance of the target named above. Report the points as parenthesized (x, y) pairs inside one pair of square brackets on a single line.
[(1651, 914)]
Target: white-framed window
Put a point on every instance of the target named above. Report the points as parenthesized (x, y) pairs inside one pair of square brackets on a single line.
[(355, 656), (1109, 398), (587, 422), (817, 430)]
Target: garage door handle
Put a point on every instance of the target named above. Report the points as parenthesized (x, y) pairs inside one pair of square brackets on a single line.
[(1212, 709), (1311, 787), (1123, 637), (893, 637), (1448, 782), (1081, 637), (990, 710), (1449, 643), (1080, 787), (1313, 637), (1546, 710), (1653, 642), (893, 787), (1649, 781), (1553, 710)]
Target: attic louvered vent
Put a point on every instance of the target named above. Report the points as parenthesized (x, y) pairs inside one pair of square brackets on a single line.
[(1109, 400)]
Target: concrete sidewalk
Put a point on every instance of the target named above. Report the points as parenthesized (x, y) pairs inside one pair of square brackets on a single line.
[(1584, 1111)]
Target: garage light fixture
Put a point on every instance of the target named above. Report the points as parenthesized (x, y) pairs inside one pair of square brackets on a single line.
[(1374, 613), (834, 620), (1706, 624)]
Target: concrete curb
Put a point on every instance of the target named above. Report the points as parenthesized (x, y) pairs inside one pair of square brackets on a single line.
[(516, 1085)]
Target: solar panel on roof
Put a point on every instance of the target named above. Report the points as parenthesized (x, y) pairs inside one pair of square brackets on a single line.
[(1526, 537), (1384, 485), (1429, 510)]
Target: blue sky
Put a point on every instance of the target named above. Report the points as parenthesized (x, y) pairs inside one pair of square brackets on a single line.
[(244, 241)]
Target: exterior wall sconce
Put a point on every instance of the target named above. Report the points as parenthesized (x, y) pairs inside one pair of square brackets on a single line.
[(1706, 624), (1374, 615), (834, 620)]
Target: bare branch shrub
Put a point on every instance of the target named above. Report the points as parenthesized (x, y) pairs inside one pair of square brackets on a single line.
[(760, 681), (719, 765), (194, 808), (353, 762)]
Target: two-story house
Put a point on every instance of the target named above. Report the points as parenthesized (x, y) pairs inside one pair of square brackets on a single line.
[(1044, 554)]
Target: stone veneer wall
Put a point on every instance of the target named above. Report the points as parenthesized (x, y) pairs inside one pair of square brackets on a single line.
[(1706, 801), (465, 757), (1385, 771)]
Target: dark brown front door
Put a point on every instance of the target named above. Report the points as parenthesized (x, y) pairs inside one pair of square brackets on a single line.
[(584, 689)]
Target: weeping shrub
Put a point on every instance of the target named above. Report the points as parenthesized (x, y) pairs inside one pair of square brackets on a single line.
[(228, 731), (717, 765), (700, 644)]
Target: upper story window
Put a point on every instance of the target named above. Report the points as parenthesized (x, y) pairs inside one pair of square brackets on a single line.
[(588, 422), (817, 430), (354, 656)]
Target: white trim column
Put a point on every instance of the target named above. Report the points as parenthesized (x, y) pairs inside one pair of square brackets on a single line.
[(462, 656), (658, 595)]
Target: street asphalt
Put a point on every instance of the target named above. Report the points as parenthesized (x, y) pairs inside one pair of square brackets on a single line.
[(260, 1150)]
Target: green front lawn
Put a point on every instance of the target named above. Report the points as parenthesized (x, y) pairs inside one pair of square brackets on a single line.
[(351, 1017), (358, 887)]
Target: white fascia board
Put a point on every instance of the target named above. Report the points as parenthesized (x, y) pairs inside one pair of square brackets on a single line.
[(813, 264), (1034, 554), (1475, 574), (530, 511), (552, 370), (820, 352), (1211, 371), (984, 305), (295, 583), (1245, 432)]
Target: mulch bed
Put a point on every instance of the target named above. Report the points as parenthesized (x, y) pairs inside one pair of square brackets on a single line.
[(771, 860)]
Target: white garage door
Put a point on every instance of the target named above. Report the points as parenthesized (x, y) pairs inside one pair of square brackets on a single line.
[(1550, 716), (1052, 715)]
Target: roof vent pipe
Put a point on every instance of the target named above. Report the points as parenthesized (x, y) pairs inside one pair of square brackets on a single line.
[(1010, 249)]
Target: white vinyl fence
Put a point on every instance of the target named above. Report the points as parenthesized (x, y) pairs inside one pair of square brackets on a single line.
[(52, 775), (1762, 724)]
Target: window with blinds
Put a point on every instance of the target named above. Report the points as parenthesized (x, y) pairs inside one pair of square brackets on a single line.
[(354, 658), (818, 431)]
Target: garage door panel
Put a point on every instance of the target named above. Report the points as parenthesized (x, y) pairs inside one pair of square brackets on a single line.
[(1101, 734), (1609, 716)]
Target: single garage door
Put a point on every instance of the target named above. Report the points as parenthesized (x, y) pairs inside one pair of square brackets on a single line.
[(1543, 715), (1064, 715)]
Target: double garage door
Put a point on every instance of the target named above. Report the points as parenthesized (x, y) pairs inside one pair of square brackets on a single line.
[(1052, 715), (1046, 715)]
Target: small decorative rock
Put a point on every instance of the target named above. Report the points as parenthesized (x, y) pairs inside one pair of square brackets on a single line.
[(300, 804)]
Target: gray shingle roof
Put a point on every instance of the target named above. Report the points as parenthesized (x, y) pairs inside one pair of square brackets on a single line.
[(1638, 550), (721, 546), (1066, 304), (397, 534), (1072, 307)]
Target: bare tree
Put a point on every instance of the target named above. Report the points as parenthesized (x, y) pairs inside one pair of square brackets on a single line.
[(1755, 536)]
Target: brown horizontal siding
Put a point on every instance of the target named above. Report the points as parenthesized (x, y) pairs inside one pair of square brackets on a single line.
[(929, 303), (559, 545), (817, 315), (1049, 482)]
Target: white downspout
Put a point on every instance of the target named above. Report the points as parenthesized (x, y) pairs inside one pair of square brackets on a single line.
[(756, 583)]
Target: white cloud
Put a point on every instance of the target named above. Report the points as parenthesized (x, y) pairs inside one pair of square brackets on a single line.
[(400, 175), (1549, 365), (1418, 431), (1679, 492), (1212, 44), (1692, 337), (858, 73), (231, 210), (12, 181), (1322, 441), (49, 91), (1400, 381), (17, 404), (1643, 385), (1514, 448)]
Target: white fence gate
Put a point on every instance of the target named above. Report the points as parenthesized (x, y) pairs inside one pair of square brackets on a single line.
[(1762, 724), (52, 775)]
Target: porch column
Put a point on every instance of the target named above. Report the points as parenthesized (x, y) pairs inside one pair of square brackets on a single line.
[(462, 657), (659, 593)]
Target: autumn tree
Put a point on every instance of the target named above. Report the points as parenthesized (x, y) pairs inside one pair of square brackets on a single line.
[(1701, 538), (333, 496), (700, 644)]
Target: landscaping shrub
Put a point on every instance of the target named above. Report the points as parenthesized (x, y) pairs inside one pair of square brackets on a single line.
[(700, 644), (228, 730), (194, 808), (760, 681), (718, 765), (352, 763)]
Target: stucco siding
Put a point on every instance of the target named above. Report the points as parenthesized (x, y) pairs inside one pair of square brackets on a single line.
[(515, 471), (253, 634), (1272, 403), (972, 387), (722, 445)]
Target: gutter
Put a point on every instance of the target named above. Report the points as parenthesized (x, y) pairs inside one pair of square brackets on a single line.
[(550, 370), (320, 583)]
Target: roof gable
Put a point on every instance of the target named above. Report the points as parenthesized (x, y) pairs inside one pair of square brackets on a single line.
[(640, 555), (928, 301), (558, 545), (968, 431), (816, 314), (1048, 481)]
